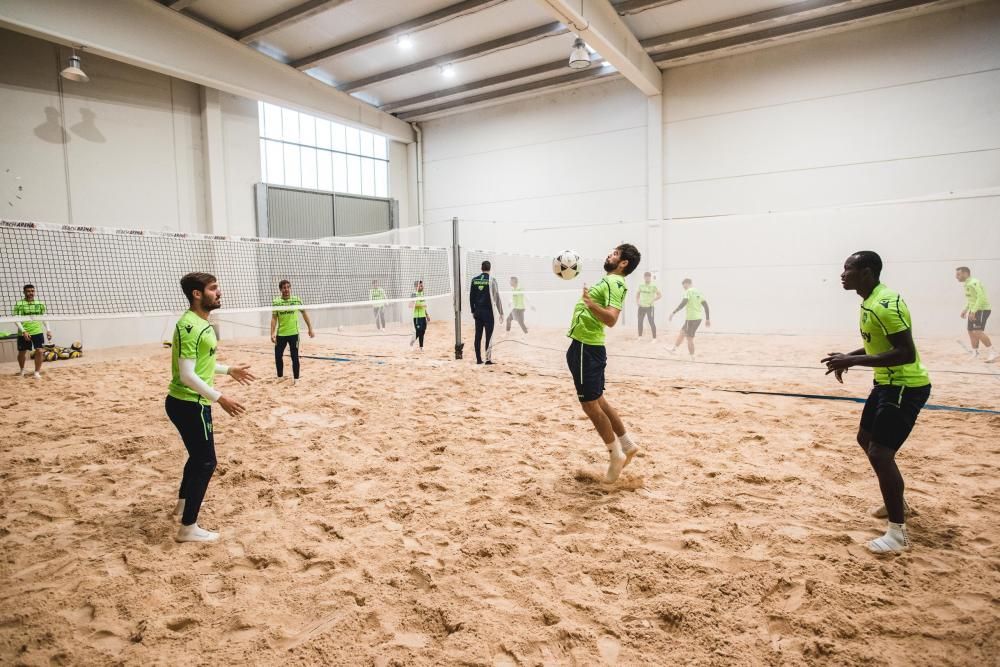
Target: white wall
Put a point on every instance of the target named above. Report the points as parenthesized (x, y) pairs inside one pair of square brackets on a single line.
[(769, 154), (767, 158)]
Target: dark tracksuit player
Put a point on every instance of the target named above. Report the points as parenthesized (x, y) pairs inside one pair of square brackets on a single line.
[(483, 294)]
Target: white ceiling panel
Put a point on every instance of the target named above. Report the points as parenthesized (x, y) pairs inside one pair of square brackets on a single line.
[(693, 13), (236, 16)]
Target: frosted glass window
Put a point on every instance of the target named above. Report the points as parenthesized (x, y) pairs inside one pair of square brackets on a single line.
[(381, 179), (263, 160), (309, 168), (353, 140), (260, 120), (293, 165), (322, 133), (275, 162), (367, 143), (354, 174), (368, 177), (290, 125), (324, 171), (381, 149), (338, 138), (307, 130), (272, 121), (339, 172)]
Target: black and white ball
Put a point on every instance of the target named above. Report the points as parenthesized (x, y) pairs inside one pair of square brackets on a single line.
[(566, 264)]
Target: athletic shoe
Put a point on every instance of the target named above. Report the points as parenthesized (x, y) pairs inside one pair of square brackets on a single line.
[(895, 540), (38, 376), (193, 533)]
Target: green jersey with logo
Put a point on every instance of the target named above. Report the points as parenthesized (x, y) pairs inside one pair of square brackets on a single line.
[(518, 298), (694, 310), (378, 294), (288, 320), (884, 313), (647, 294), (419, 305), (194, 338), (585, 327), (975, 296), (25, 308)]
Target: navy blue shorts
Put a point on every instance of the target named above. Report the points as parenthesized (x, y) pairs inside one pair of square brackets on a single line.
[(978, 321), (37, 342), (891, 411), (690, 327), (587, 364)]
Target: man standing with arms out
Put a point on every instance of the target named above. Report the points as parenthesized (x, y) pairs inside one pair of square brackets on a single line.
[(697, 307), (31, 337), (587, 357), (977, 311), (285, 329), (648, 294), (901, 389), (483, 293), (516, 306), (420, 316), (378, 299), (190, 397)]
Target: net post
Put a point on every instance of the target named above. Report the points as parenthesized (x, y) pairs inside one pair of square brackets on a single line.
[(456, 252)]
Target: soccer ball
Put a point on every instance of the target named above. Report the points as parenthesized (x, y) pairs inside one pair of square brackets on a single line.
[(566, 264)]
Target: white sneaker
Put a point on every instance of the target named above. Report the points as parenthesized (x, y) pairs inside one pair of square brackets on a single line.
[(991, 355), (615, 464), (193, 533), (895, 540), (38, 376), (21, 373), (295, 381)]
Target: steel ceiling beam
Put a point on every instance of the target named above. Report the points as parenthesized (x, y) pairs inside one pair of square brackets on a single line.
[(420, 23), (625, 7), (597, 22), (792, 28), (573, 78), (178, 5), (475, 51), (740, 23), (286, 18)]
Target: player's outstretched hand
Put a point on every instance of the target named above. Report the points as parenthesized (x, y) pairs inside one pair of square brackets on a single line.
[(232, 407), (312, 334), (274, 339), (837, 363), (49, 334), (241, 374)]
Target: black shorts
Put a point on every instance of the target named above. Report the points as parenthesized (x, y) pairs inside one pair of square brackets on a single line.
[(587, 364), (891, 411), (690, 326), (978, 321), (37, 342)]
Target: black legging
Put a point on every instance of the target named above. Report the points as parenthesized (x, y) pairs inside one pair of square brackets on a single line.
[(279, 353), (644, 312), (420, 328), (380, 317), (194, 423), (484, 323)]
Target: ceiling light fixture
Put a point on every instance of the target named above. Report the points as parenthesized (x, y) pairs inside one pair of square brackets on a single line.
[(578, 57), (447, 71), (73, 71), (404, 42)]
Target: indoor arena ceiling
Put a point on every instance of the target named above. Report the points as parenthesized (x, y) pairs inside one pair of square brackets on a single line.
[(418, 59)]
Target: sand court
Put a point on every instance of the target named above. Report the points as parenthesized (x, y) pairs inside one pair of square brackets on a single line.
[(416, 511)]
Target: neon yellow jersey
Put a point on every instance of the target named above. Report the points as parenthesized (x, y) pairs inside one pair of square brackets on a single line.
[(518, 298), (25, 308), (194, 338), (975, 296), (585, 327), (647, 294), (378, 294), (288, 320), (883, 313), (419, 305), (694, 310)]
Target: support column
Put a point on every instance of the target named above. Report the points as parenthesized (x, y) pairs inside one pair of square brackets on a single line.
[(654, 182), (213, 152)]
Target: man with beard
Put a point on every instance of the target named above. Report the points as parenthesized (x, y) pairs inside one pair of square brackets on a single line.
[(587, 358), (190, 397)]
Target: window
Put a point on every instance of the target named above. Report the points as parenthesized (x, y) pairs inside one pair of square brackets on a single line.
[(304, 151)]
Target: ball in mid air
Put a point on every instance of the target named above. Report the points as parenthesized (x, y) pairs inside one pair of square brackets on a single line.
[(566, 264)]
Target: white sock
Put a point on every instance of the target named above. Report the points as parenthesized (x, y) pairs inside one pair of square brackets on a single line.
[(616, 461), (38, 376), (627, 442)]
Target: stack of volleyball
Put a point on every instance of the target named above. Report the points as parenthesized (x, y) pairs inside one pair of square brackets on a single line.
[(55, 352)]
